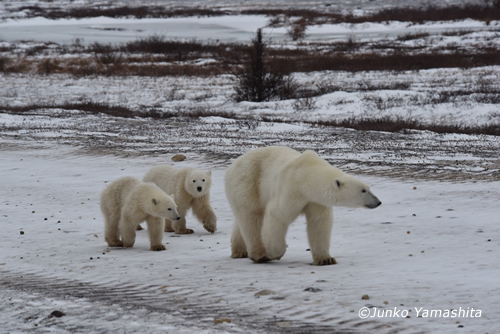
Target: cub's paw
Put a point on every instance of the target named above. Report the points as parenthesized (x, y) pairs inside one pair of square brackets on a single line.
[(158, 247), (325, 261), (210, 226), (185, 231), (169, 229)]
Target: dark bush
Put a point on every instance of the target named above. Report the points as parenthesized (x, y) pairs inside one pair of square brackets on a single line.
[(258, 81)]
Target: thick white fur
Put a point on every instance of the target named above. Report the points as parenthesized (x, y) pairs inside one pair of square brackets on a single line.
[(127, 202), (191, 188), (270, 187)]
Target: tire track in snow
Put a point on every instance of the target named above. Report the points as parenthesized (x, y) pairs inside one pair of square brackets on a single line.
[(185, 307)]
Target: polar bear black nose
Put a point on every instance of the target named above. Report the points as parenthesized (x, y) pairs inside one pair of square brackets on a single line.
[(199, 188), (178, 218)]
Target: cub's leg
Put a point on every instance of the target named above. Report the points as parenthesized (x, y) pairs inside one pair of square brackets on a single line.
[(203, 211), (180, 225), (127, 230), (168, 226), (155, 230), (111, 230)]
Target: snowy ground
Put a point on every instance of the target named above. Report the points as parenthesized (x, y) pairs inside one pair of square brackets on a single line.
[(433, 244)]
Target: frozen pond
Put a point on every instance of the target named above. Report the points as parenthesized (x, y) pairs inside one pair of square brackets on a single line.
[(232, 28)]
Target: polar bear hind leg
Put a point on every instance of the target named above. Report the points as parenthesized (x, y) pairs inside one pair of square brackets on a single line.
[(248, 236), (111, 231), (238, 247)]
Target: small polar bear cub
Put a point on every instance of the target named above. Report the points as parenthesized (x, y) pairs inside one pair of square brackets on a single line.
[(126, 202), (268, 188), (191, 188)]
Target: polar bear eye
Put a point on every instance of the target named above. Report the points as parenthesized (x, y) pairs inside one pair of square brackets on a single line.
[(194, 181), (363, 191), (169, 209), (203, 180)]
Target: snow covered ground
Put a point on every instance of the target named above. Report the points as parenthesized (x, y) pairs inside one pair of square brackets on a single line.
[(431, 245), (430, 250)]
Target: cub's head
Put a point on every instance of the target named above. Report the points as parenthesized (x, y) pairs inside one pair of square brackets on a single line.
[(159, 204), (198, 182), (353, 193)]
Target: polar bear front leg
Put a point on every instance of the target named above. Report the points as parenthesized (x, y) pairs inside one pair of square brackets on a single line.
[(319, 232), (180, 226), (203, 211), (155, 230), (168, 226)]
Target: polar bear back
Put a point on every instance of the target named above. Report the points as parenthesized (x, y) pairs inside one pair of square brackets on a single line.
[(186, 183), (256, 185), (129, 192), (169, 179), (285, 174), (115, 195)]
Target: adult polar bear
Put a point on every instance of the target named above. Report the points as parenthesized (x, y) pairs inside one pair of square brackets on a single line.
[(268, 188)]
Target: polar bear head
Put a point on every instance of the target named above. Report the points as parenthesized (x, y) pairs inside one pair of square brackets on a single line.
[(329, 186), (351, 192), (198, 182), (157, 203)]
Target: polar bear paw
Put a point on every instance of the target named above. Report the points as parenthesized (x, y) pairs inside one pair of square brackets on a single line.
[(117, 243), (158, 247), (184, 231), (210, 226), (325, 261), (262, 259), (239, 255), (259, 256)]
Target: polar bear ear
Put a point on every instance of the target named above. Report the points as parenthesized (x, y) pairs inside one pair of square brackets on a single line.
[(155, 202), (172, 196), (339, 184)]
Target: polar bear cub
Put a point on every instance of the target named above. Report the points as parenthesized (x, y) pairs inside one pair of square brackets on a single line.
[(268, 188), (191, 188), (126, 202)]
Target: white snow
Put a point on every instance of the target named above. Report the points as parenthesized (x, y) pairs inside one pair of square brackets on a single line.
[(431, 245)]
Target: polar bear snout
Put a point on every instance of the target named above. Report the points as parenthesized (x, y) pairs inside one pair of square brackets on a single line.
[(374, 203), (200, 189)]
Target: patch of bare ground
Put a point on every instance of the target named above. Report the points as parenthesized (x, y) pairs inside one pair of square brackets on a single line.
[(402, 154)]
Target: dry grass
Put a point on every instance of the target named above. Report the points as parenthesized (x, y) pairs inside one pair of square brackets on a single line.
[(385, 124), (96, 108), (157, 56), (485, 11), (400, 124)]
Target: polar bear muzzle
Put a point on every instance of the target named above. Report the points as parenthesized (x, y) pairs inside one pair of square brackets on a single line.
[(373, 202)]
